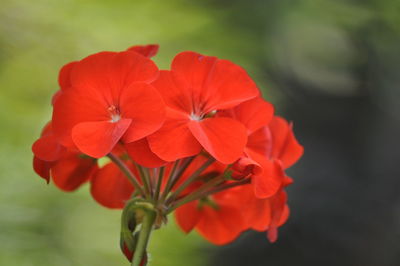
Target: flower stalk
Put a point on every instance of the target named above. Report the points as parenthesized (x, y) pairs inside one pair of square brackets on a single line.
[(144, 236), (122, 166)]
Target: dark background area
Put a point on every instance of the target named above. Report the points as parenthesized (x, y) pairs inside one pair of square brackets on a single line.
[(331, 67), (336, 70)]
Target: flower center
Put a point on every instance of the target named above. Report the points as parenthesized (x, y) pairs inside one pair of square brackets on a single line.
[(198, 117), (114, 113)]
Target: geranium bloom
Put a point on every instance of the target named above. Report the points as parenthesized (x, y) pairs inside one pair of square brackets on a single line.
[(109, 99), (195, 88), (216, 218), (197, 139), (68, 168), (145, 50), (262, 214), (110, 187), (271, 146), (141, 153)]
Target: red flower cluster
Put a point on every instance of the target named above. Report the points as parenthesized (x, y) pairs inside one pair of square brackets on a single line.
[(197, 138)]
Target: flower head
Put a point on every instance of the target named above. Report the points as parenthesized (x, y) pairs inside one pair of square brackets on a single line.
[(197, 139), (108, 99), (194, 89), (68, 168)]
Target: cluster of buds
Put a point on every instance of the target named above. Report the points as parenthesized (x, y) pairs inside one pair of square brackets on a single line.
[(197, 140)]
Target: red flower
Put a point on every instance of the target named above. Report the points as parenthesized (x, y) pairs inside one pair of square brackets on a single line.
[(198, 140), (110, 187), (271, 146), (141, 153), (215, 217), (275, 148), (218, 220), (193, 90), (68, 168), (107, 99), (149, 50), (64, 80)]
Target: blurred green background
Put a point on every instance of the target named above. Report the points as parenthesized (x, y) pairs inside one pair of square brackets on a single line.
[(40, 225), (299, 52)]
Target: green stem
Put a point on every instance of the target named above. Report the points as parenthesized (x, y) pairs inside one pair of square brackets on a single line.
[(175, 174), (197, 194), (159, 182), (179, 172), (143, 240), (145, 179), (122, 166), (201, 193), (191, 179), (226, 186), (169, 181)]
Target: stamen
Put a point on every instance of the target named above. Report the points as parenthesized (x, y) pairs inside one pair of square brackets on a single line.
[(115, 118), (195, 117), (198, 117), (114, 113)]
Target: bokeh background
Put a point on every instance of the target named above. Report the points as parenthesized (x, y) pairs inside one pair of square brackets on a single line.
[(332, 67)]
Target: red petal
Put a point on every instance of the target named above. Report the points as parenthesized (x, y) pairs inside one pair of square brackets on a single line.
[(92, 72), (285, 146), (222, 225), (260, 142), (256, 212), (192, 71), (261, 214), (254, 114), (187, 216), (64, 76), (55, 96), (73, 170), (175, 91), (245, 167), (229, 85), (174, 139), (127, 68), (98, 82), (223, 138), (267, 184), (47, 148), (73, 107), (218, 83), (285, 215), (272, 234), (144, 105), (149, 50), (140, 152), (278, 203), (42, 168), (110, 187), (107, 73), (96, 139), (279, 213)]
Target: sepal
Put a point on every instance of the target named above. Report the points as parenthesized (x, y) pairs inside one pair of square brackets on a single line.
[(133, 214)]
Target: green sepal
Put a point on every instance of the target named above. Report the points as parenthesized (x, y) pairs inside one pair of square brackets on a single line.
[(132, 216)]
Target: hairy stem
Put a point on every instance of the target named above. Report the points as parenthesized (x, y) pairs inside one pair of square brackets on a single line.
[(144, 236), (169, 181), (205, 191), (180, 171), (145, 179), (191, 179), (159, 182), (122, 166)]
